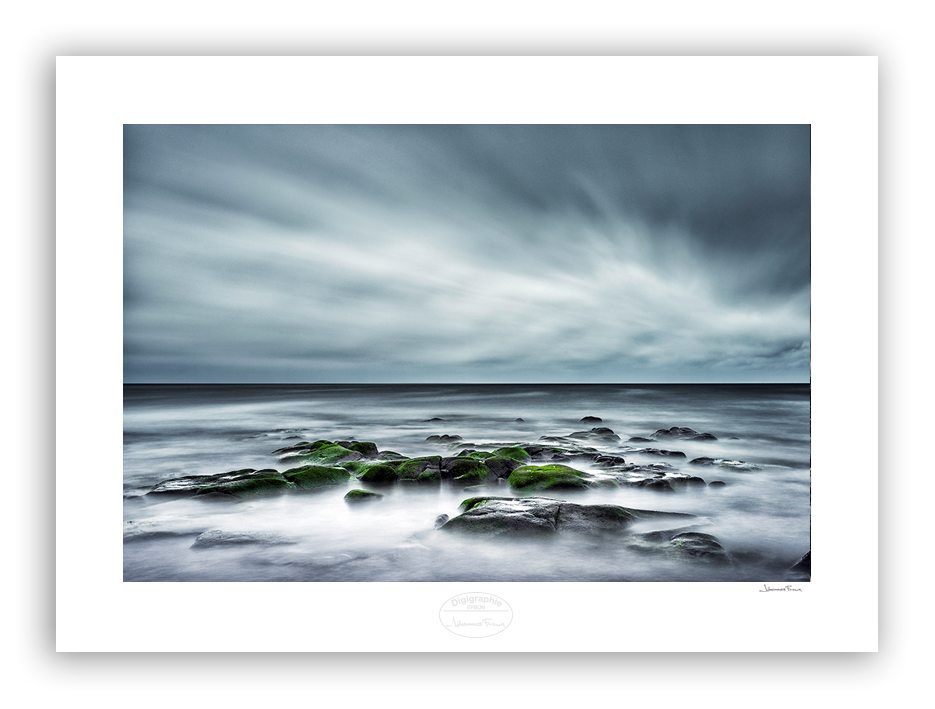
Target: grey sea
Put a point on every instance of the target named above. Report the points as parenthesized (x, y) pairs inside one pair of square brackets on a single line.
[(733, 460)]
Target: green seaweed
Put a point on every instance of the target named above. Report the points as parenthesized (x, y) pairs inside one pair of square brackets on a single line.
[(309, 477), (547, 477)]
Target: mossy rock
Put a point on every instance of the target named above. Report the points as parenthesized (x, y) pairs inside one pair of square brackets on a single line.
[(501, 466), (309, 477), (355, 467), (236, 482), (414, 467), (476, 455), (365, 448), (514, 452), (429, 476), (331, 454), (253, 486), (379, 474), (362, 496), (391, 455), (547, 477), (467, 471)]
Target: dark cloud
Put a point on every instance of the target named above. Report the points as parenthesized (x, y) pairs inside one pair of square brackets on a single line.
[(450, 253)]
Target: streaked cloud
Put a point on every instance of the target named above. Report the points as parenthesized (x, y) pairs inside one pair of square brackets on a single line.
[(478, 253)]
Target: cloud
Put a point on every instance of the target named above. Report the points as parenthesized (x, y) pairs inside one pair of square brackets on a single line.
[(483, 253)]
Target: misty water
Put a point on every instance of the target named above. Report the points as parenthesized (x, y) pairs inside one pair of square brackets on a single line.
[(761, 516)]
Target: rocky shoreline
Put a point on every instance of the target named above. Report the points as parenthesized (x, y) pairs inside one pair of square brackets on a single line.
[(530, 474)]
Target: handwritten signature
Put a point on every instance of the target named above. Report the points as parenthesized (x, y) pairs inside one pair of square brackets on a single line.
[(778, 588)]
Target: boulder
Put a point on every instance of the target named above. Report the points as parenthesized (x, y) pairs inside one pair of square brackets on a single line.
[(660, 452), (362, 496), (597, 435), (501, 467), (379, 474), (365, 448), (699, 545), (236, 483), (682, 434), (309, 477), (445, 438), (515, 452), (464, 471), (547, 477), (413, 467), (591, 419), (543, 516), (684, 481)]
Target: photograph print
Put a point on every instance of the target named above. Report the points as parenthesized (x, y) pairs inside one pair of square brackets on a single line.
[(467, 353)]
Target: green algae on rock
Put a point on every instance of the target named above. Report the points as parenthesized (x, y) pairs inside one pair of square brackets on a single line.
[(466, 471), (358, 495), (379, 474), (309, 477), (544, 516), (547, 477), (514, 452)]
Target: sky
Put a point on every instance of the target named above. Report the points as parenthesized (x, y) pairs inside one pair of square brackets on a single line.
[(481, 253)]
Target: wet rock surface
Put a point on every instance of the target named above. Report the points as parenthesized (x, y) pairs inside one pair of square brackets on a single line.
[(544, 516), (217, 537), (682, 433)]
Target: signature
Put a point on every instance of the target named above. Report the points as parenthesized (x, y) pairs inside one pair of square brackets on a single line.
[(778, 588)]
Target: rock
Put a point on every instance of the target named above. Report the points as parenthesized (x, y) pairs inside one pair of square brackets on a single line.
[(547, 477), (309, 477), (440, 520), (700, 545), (216, 537), (464, 471), (432, 419), (515, 452), (717, 483), (658, 485), (591, 419), (429, 476), (443, 439), (539, 452), (413, 467), (476, 455), (680, 481), (520, 420), (501, 467), (604, 435), (703, 461), (379, 474), (609, 461), (295, 448), (362, 496), (659, 452), (542, 516), (391, 455), (639, 439), (237, 483), (251, 487), (802, 569), (683, 434), (365, 448)]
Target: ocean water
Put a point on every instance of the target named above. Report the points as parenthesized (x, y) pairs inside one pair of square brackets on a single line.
[(761, 516)]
